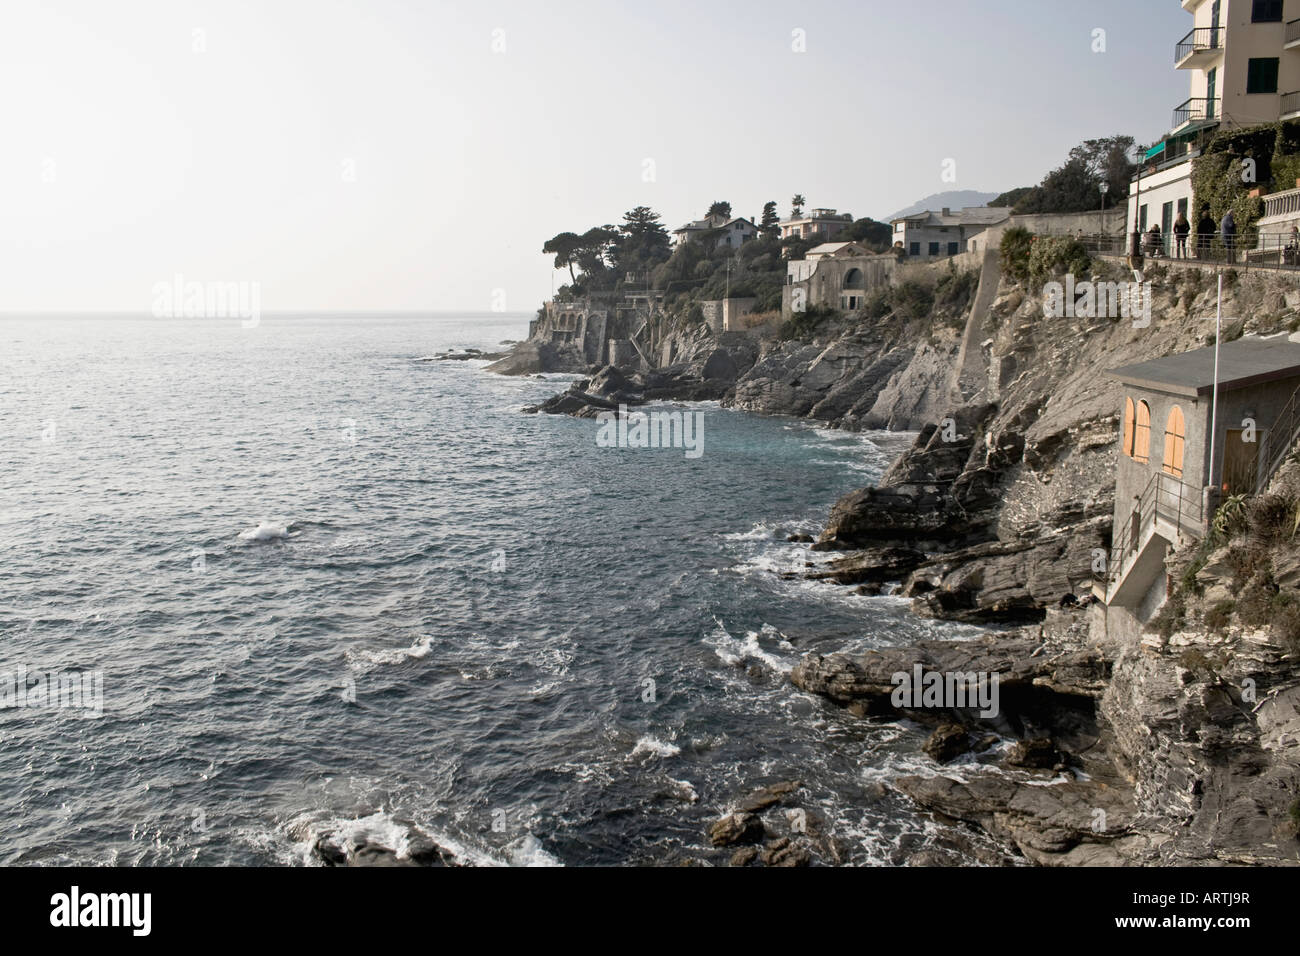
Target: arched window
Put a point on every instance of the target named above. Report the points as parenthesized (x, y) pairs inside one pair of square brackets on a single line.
[(1129, 421), (853, 279), (1142, 434), (1175, 434)]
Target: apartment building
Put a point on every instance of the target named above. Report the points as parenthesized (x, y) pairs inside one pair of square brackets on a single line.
[(1242, 58)]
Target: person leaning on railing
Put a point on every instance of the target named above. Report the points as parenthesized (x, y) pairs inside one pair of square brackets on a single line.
[(1181, 228)]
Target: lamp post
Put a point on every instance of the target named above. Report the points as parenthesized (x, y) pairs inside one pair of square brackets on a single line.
[(1101, 223), (1135, 242)]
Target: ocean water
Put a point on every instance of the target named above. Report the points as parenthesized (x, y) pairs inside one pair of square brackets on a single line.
[(328, 585)]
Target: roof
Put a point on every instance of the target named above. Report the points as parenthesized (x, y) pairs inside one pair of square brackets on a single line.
[(829, 249), (1248, 361), (716, 222), (970, 216)]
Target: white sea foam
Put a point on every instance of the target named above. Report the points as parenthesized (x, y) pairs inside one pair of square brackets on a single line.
[(656, 747), (367, 659), (265, 531)]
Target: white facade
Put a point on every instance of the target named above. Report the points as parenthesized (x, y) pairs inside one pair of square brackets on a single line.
[(933, 235), (1243, 63), (823, 223)]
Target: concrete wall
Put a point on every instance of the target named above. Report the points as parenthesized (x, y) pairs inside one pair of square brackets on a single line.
[(1070, 223)]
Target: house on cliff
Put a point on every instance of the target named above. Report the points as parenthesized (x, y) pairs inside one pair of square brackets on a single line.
[(733, 232), (932, 235), (1179, 457)]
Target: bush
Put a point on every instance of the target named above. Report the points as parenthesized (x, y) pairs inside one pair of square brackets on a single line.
[(1256, 604), (1171, 617), (955, 289), (1015, 252), (1271, 516), (1286, 621), (1051, 255), (1217, 617), (912, 299), (803, 325)]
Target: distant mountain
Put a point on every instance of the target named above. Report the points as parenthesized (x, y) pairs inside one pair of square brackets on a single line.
[(950, 200)]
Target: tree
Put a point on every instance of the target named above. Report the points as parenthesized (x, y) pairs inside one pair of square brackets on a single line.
[(722, 209), (594, 248), (796, 205), (1075, 186), (641, 242), (564, 247), (770, 223), (876, 236)]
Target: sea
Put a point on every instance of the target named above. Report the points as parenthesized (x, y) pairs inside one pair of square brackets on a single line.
[(303, 578)]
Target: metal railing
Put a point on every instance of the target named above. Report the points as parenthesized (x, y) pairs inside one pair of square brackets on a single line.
[(1196, 108), (1290, 104), (1166, 497), (1202, 38), (1278, 441), (1272, 251), (1293, 31)]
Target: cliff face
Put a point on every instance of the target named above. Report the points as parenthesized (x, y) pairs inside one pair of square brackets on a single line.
[(1183, 748)]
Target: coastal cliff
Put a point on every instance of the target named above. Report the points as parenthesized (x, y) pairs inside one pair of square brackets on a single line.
[(1153, 751)]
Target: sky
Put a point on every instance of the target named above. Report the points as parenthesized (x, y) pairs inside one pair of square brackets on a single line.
[(415, 154)]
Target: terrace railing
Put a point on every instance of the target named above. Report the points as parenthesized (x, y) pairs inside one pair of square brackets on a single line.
[(1202, 38), (1195, 109), (1164, 497)]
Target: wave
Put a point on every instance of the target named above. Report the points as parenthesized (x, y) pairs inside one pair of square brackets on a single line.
[(656, 747), (265, 531)]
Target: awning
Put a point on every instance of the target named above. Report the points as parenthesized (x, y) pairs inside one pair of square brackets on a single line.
[(1155, 150)]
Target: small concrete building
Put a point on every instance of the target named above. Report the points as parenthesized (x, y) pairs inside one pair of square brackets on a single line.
[(1170, 476), (835, 275)]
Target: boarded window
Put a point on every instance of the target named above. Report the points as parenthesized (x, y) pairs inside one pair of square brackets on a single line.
[(1142, 433), (1129, 422), (1175, 436)]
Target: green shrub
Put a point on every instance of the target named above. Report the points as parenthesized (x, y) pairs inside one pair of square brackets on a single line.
[(803, 325), (1272, 516), (912, 299), (1015, 252), (1255, 605), (1217, 617)]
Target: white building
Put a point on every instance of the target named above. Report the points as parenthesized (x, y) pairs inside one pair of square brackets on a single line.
[(731, 232), (933, 235), (1243, 64)]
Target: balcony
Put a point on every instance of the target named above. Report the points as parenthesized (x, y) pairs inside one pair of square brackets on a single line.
[(1196, 110), (1290, 106), (1292, 35), (1201, 46)]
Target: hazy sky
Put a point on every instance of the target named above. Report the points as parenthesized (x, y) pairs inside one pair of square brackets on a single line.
[(415, 154)]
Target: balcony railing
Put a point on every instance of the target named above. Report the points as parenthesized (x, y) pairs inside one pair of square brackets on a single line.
[(1290, 103), (1292, 32), (1198, 41), (1196, 109)]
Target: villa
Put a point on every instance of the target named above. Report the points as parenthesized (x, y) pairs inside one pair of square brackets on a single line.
[(732, 232), (823, 223)]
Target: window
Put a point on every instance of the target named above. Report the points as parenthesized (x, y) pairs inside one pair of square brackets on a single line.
[(1266, 11), (934, 248), (1211, 91), (952, 248), (1182, 207), (1129, 421), (914, 249), (1142, 218), (1142, 434), (1175, 435), (1261, 75)]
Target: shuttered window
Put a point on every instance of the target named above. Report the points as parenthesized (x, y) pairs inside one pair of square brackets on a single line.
[(1142, 434), (1129, 422), (1175, 438)]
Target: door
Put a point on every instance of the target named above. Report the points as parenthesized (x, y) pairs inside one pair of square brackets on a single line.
[(1211, 85), (1166, 225), (1240, 463)]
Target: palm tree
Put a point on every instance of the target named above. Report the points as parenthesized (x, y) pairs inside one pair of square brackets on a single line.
[(797, 204)]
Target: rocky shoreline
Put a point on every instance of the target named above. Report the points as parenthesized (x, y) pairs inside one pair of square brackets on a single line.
[(1103, 752)]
